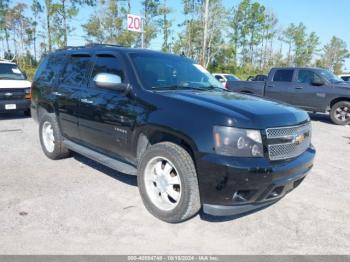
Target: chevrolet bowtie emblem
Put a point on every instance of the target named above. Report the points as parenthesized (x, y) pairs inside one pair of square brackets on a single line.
[(299, 139)]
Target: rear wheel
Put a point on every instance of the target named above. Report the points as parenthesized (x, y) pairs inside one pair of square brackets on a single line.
[(340, 113), (50, 138), (168, 183)]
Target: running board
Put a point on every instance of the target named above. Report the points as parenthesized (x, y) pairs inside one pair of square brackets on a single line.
[(100, 158)]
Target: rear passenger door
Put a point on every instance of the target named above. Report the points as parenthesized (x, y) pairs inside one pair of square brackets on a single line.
[(280, 87), (71, 83), (107, 116)]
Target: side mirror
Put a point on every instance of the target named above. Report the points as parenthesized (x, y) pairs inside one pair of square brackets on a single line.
[(318, 82), (25, 75), (222, 80), (109, 81)]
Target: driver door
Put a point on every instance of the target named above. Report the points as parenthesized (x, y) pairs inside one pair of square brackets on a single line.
[(306, 95)]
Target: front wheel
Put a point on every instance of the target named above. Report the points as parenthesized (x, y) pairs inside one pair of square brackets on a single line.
[(340, 113), (168, 183)]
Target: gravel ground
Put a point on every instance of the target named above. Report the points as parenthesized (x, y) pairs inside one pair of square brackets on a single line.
[(76, 206)]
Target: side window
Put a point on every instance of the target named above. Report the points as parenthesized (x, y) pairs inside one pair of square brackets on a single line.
[(40, 70), (307, 77), (50, 68), (283, 75), (261, 78), (108, 64), (76, 70), (218, 77)]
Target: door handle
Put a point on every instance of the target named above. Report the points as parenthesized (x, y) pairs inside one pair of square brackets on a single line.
[(299, 87), (270, 86), (86, 101), (57, 93)]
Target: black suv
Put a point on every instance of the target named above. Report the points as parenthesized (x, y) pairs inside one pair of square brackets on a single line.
[(164, 118)]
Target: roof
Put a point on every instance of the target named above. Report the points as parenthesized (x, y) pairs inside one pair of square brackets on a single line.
[(296, 67)]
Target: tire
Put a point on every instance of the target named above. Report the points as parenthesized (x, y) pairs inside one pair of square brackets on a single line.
[(27, 112), (56, 149), (188, 203), (340, 113)]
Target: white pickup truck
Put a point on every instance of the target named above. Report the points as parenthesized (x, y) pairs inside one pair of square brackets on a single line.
[(15, 93)]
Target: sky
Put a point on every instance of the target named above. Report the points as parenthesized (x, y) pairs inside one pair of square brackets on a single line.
[(326, 17)]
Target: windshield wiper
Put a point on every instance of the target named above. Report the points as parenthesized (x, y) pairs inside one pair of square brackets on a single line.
[(211, 87), (170, 87), (178, 87)]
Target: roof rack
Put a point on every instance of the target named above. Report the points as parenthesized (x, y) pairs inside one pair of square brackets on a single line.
[(97, 44), (69, 48), (88, 45)]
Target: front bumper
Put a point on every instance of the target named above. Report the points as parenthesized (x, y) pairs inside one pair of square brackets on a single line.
[(21, 105), (231, 186)]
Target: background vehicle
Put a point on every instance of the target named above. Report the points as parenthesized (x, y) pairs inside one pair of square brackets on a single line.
[(226, 79), (257, 78), (345, 77), (312, 89), (15, 91), (166, 119)]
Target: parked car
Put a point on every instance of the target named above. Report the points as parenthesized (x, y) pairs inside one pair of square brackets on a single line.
[(312, 89), (345, 77), (169, 121), (257, 78), (15, 91), (226, 79)]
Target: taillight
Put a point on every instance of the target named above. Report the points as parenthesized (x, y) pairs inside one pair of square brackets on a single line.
[(226, 87)]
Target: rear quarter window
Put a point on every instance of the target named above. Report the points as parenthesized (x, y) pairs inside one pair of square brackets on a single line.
[(283, 75), (50, 68)]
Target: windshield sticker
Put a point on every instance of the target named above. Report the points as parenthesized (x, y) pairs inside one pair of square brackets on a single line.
[(201, 68), (16, 71)]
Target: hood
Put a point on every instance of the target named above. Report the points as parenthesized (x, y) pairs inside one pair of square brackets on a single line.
[(14, 84), (244, 110)]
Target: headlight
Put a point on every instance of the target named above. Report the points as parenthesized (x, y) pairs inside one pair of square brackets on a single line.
[(28, 94), (230, 141)]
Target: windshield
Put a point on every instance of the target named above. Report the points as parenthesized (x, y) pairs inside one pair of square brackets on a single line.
[(10, 72), (330, 76), (164, 72), (231, 78)]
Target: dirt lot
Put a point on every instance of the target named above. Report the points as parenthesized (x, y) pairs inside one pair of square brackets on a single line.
[(76, 206)]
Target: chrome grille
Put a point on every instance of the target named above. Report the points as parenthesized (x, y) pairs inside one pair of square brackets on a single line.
[(11, 93), (298, 139)]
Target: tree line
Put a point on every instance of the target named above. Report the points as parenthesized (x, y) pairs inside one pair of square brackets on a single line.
[(244, 39)]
